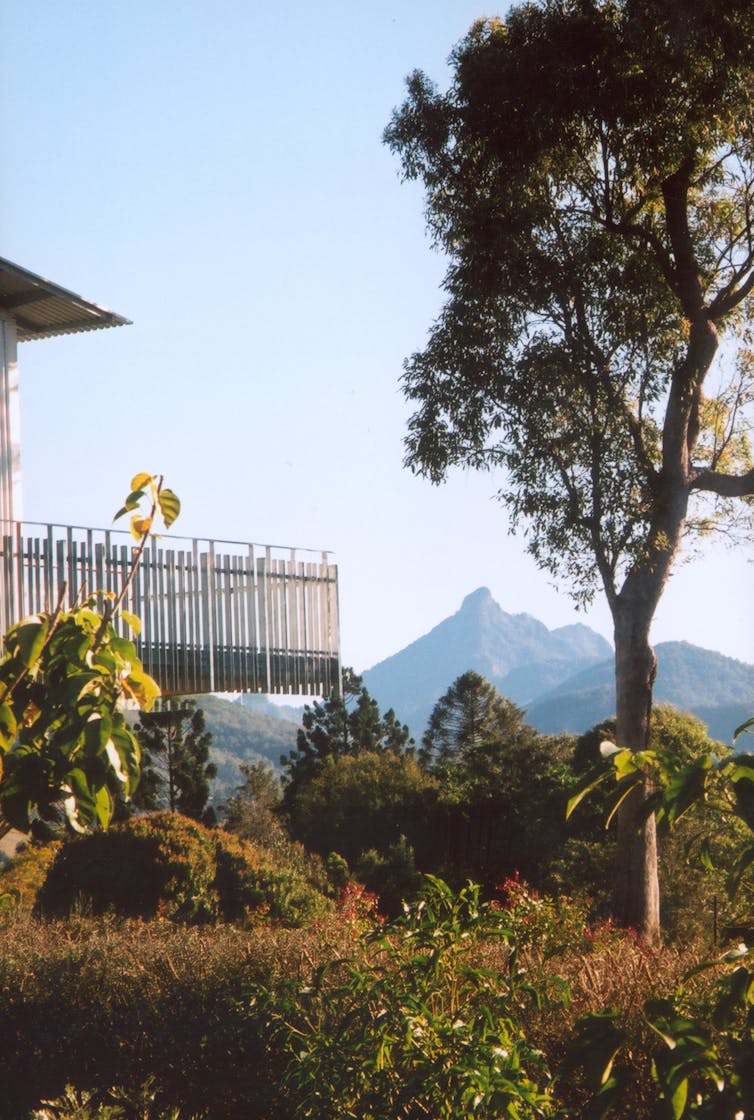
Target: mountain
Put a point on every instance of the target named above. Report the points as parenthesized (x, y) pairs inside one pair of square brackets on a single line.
[(563, 678), (717, 689), (256, 702), (242, 734), (517, 653)]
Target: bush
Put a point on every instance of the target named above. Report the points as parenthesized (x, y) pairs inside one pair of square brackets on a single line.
[(169, 866), (391, 875), (23, 875), (416, 1029)]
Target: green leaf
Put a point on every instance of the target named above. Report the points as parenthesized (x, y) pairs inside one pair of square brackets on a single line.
[(747, 726), (16, 807), (685, 790), (597, 1040), (170, 507), (103, 806), (131, 503), (627, 786), (129, 754), (125, 649), (590, 782), (80, 805), (8, 726), (31, 636), (705, 854), (142, 688), (678, 1099)]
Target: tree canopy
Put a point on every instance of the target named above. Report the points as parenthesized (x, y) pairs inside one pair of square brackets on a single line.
[(470, 713), (349, 724), (590, 176)]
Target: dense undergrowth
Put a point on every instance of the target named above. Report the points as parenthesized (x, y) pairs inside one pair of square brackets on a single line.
[(164, 970), (456, 1002)]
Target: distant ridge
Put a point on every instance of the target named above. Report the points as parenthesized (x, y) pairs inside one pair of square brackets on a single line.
[(718, 689), (563, 677)]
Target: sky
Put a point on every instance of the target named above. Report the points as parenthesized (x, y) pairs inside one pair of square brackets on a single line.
[(215, 173)]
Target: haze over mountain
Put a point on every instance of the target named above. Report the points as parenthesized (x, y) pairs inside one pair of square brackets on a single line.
[(718, 689), (563, 677)]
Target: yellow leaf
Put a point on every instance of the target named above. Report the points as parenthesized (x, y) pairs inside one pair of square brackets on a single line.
[(139, 481), (132, 620), (140, 526)]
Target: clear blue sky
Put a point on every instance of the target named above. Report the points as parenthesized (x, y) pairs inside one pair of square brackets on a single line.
[(215, 173)]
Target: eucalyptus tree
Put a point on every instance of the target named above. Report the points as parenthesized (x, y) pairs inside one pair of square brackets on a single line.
[(590, 175)]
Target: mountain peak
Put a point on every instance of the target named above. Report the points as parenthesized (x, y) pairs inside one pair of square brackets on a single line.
[(480, 598), (516, 652)]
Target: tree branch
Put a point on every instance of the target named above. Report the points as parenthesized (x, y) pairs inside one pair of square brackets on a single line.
[(726, 485)]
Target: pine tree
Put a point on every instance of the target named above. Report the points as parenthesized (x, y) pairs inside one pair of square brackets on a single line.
[(176, 769)]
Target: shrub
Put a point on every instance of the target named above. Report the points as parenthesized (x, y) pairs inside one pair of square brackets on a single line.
[(169, 866), (23, 875), (391, 875)]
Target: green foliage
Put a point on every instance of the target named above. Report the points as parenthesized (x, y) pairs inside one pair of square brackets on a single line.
[(113, 1104), (156, 1009), (22, 876), (176, 770), (552, 925), (390, 874), (589, 174), (147, 498), (501, 786), (177, 1010), (340, 726), (417, 1030), (470, 713), (170, 866), (695, 847), (704, 1067), (253, 812), (695, 782), (65, 677), (66, 749), (573, 146), (363, 801), (702, 1062)]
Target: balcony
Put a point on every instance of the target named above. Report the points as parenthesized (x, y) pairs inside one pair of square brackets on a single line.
[(216, 616)]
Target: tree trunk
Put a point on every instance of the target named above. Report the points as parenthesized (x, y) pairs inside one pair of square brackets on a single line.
[(637, 889)]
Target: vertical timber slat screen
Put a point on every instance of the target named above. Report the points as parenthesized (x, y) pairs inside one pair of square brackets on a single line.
[(215, 616)]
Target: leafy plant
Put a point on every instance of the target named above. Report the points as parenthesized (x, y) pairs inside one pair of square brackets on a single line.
[(113, 1104), (65, 678), (704, 1065), (415, 1028), (169, 866)]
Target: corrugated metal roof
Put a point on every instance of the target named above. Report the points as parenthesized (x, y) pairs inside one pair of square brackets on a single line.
[(42, 309)]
